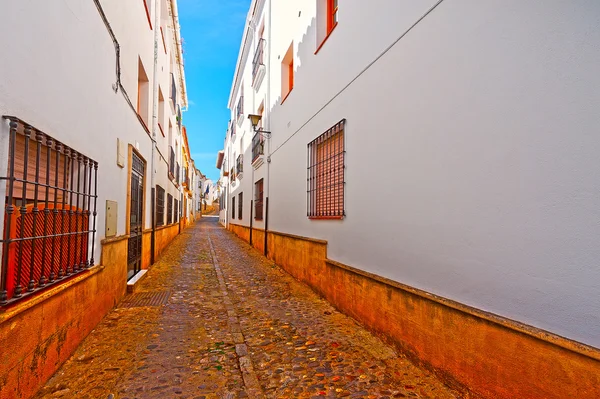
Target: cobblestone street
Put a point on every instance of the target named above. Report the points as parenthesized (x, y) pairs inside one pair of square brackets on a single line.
[(215, 319)]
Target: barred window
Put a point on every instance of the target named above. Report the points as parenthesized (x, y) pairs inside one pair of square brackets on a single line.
[(175, 211), (50, 213), (160, 206), (233, 207), (169, 209), (325, 178), (240, 205), (258, 199)]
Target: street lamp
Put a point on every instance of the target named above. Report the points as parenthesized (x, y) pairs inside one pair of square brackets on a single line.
[(254, 120)]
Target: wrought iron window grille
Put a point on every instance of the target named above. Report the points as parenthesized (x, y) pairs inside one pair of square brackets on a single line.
[(325, 174), (50, 212), (169, 209), (258, 57), (258, 146), (160, 206)]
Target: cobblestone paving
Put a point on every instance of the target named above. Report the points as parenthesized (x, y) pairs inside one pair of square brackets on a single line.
[(235, 326)]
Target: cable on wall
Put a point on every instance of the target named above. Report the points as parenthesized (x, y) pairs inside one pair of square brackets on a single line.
[(358, 75), (118, 85)]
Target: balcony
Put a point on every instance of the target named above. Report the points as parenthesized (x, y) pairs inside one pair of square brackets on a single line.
[(258, 65), (240, 110), (258, 150), (239, 166)]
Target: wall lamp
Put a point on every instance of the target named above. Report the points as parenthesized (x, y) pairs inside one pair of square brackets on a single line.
[(255, 120)]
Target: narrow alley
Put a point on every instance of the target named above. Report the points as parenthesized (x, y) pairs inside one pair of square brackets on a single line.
[(214, 319)]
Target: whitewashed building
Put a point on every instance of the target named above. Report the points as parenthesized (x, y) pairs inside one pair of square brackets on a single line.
[(93, 153), (478, 124)]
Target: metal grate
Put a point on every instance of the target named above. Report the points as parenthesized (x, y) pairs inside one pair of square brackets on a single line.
[(325, 177), (50, 212), (142, 299)]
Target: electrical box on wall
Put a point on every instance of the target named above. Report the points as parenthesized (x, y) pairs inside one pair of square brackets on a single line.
[(120, 153), (111, 218)]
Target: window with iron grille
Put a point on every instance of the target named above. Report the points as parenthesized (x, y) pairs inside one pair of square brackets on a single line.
[(239, 165), (240, 205), (258, 57), (175, 211), (50, 212), (240, 105), (169, 209), (160, 206), (173, 92), (258, 200), (325, 177), (233, 207), (233, 124), (258, 146), (177, 168), (172, 163)]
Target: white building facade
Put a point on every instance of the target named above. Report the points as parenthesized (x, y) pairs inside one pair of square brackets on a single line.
[(92, 147), (477, 122)]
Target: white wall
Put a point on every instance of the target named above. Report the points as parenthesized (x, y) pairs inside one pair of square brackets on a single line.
[(479, 130), (60, 79)]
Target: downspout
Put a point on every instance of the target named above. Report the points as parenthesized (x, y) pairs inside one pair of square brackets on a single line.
[(252, 25), (268, 123), (154, 127)]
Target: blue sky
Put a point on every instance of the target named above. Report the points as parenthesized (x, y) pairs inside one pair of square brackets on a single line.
[(212, 32)]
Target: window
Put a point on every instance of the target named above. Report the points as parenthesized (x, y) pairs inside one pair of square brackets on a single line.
[(175, 211), (173, 92), (169, 209), (258, 60), (160, 206), (325, 180), (171, 163), (327, 20), (50, 210), (287, 73), (239, 165), (233, 207), (147, 5), (161, 112), (143, 98), (162, 34), (332, 15), (258, 200), (240, 205), (240, 105)]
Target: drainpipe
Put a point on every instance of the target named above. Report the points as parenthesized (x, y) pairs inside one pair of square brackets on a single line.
[(154, 126), (268, 123)]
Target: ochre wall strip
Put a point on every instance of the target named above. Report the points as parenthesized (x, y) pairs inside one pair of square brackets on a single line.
[(482, 354)]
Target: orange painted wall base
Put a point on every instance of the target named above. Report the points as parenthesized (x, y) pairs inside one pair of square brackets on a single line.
[(481, 354), (38, 335)]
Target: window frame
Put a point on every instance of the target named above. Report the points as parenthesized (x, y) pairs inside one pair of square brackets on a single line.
[(160, 206), (147, 6), (259, 187), (326, 182), (169, 209)]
